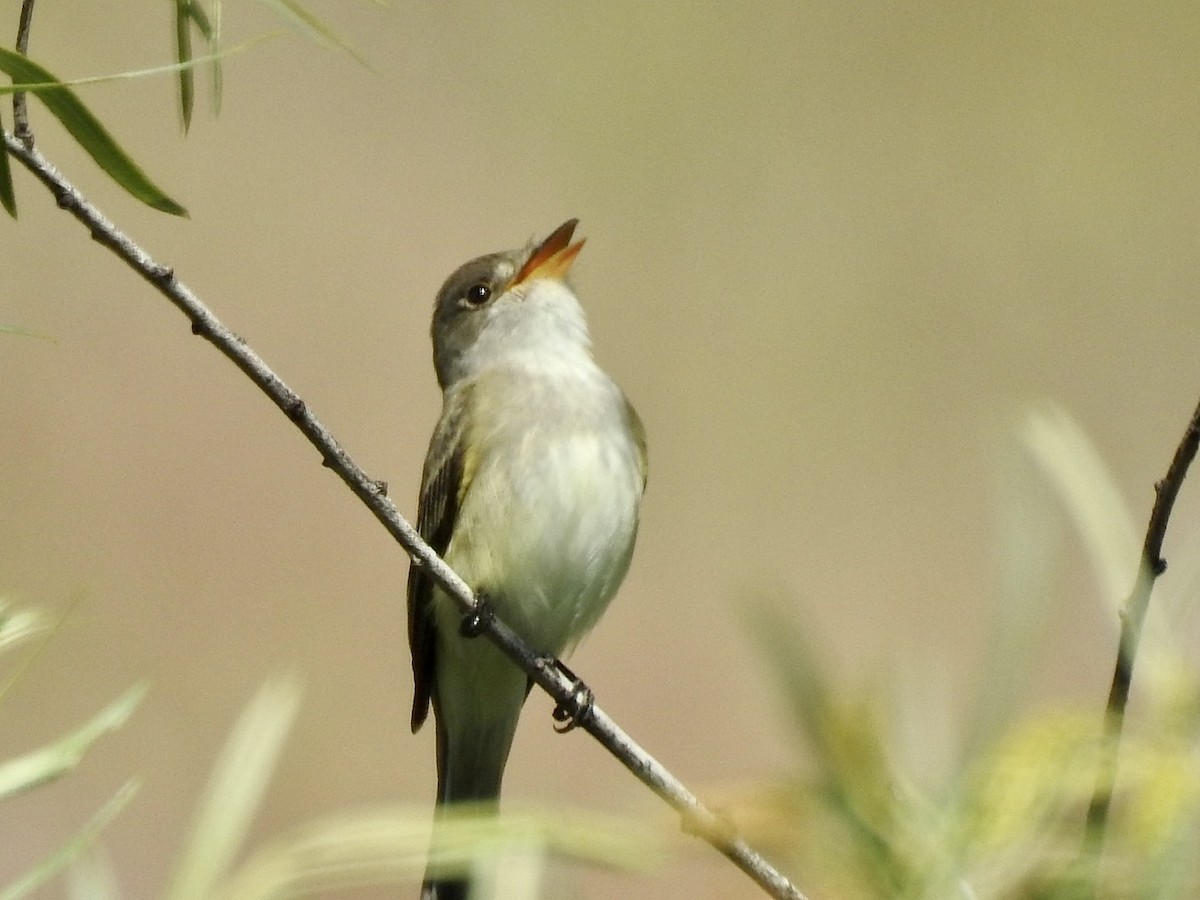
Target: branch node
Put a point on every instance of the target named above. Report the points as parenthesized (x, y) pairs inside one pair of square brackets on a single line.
[(295, 408), (22, 132), (381, 487)]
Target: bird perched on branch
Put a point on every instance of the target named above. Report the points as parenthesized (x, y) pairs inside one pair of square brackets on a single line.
[(530, 491)]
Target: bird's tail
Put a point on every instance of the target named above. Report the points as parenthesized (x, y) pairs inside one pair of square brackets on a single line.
[(470, 767)]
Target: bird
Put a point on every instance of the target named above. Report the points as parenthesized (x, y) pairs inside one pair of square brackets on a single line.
[(531, 492)]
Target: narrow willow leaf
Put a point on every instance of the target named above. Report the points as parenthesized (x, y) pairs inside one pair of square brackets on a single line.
[(87, 130), (57, 759), (316, 30), (211, 29), (37, 87), (7, 198), (183, 51), (196, 12), (49, 867), (218, 69), (235, 789)]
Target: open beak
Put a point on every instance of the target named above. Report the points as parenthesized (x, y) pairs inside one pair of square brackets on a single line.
[(553, 256)]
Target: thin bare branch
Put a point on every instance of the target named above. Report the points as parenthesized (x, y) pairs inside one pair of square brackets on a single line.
[(696, 818), (1133, 616), (20, 110)]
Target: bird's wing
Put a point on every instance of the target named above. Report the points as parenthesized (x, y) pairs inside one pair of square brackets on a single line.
[(443, 484)]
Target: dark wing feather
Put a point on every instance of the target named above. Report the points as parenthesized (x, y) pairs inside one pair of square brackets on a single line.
[(442, 487)]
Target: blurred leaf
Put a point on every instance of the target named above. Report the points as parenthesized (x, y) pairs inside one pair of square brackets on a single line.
[(86, 129), (1024, 801), (1027, 549), (24, 332), (1039, 771), (8, 199), (57, 759), (855, 776), (91, 877), (792, 662), (20, 625), (235, 788), (25, 624), (183, 51), (1089, 491), (389, 846), (314, 28), (68, 852), (336, 853)]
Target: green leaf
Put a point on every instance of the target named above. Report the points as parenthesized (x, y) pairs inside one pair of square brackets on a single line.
[(55, 760), (70, 851), (87, 130), (211, 29), (218, 69), (37, 87), (183, 50), (7, 198), (196, 13)]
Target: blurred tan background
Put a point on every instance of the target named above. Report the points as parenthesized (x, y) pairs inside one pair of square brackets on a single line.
[(831, 248)]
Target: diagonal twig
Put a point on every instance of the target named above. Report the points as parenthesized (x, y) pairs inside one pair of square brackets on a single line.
[(1133, 615), (20, 110), (696, 817)]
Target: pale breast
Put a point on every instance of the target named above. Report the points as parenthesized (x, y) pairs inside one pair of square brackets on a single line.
[(547, 526)]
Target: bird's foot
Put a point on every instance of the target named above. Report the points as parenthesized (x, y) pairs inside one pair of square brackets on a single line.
[(577, 709), (478, 618)]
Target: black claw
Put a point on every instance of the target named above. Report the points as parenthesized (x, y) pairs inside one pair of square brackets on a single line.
[(478, 619), (576, 711)]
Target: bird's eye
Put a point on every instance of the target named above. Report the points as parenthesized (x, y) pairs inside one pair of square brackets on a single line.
[(479, 294)]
